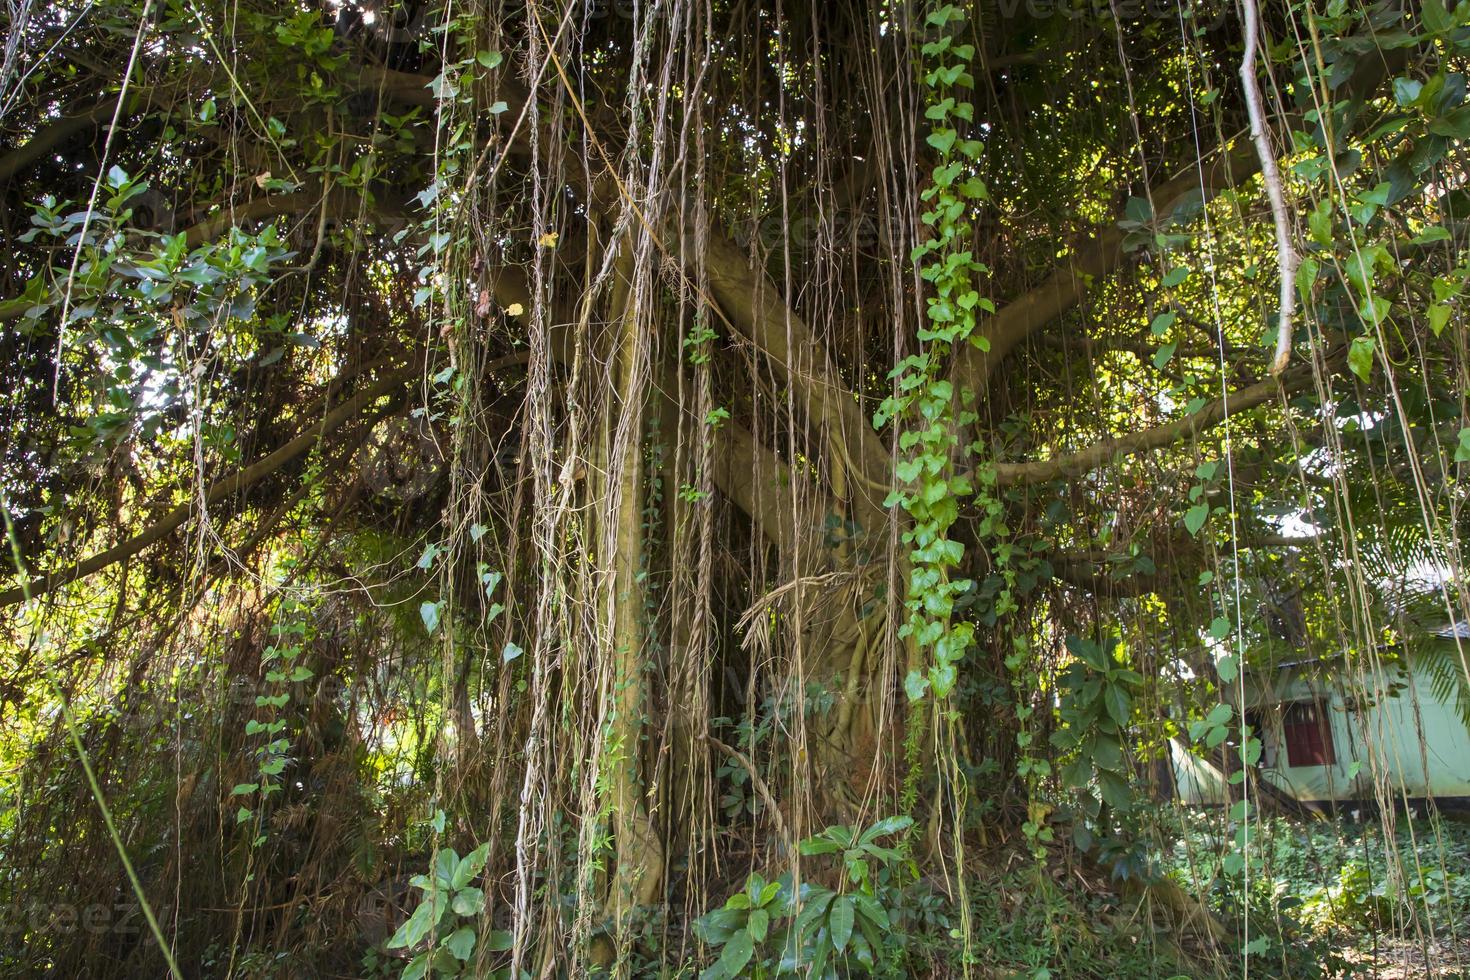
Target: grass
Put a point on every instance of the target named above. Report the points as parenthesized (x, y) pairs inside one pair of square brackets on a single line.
[(1337, 897)]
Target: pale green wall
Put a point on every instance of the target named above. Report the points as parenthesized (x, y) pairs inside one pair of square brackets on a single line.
[(1383, 736)]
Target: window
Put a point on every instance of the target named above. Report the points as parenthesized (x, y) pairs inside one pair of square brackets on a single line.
[(1308, 734)]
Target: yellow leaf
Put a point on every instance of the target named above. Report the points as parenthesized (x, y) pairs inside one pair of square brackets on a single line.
[(548, 240), (262, 179), (515, 309)]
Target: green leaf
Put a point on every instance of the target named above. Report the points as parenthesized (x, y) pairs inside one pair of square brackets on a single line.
[(1434, 233), (1195, 518), (1219, 628), (468, 901), (1462, 451), (1439, 315), (1406, 90), (915, 685), (736, 954), (1174, 277), (888, 825), (429, 613), (840, 922), (813, 846), (444, 864), (1107, 753), (768, 893), (1436, 18), (1117, 702), (420, 924), (941, 139), (868, 908), (1320, 222), (1306, 275), (418, 967), (943, 678), (1078, 772), (758, 923), (511, 652), (490, 59), (469, 866), (1360, 357), (1115, 790), (461, 943)]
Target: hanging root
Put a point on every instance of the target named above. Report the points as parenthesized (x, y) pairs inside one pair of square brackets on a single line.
[(1286, 257)]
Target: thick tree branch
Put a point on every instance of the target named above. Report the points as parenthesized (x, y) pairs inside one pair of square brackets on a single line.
[(754, 305), (219, 490), (48, 139), (1158, 437), (1066, 287)]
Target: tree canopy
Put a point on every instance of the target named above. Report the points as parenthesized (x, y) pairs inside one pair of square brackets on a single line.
[(649, 447)]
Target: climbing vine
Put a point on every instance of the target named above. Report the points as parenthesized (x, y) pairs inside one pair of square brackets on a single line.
[(933, 413)]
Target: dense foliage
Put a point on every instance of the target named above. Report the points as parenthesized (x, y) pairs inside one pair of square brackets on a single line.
[(636, 486)]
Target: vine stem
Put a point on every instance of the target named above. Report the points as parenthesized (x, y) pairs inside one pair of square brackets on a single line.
[(1286, 257)]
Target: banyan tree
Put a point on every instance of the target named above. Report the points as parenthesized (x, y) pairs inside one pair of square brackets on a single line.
[(489, 482)]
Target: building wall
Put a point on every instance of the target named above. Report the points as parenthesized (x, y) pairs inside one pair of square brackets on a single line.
[(1380, 754)]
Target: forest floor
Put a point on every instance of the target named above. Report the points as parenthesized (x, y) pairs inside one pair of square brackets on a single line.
[(1364, 899)]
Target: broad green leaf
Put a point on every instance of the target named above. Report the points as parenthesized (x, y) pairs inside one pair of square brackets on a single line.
[(1117, 702), (1360, 357), (468, 901), (888, 825), (1195, 517), (419, 924), (840, 922), (429, 613), (461, 942), (736, 954), (417, 967), (469, 866), (915, 685), (444, 864), (757, 924)]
